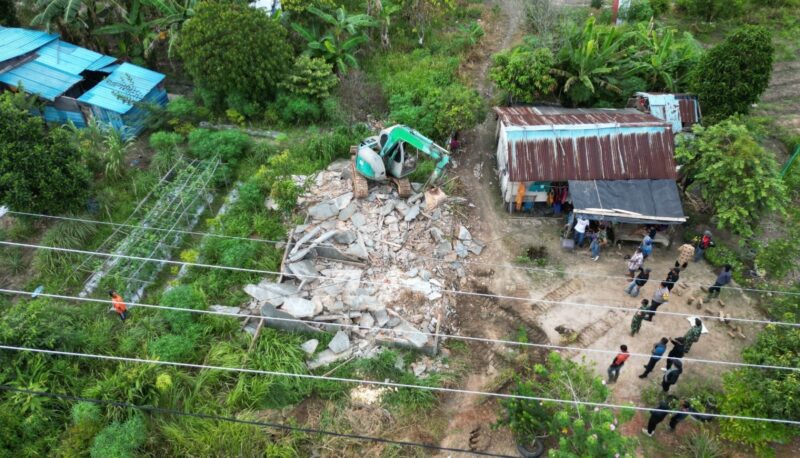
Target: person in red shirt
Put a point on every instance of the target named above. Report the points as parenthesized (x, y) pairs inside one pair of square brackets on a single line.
[(119, 305), (617, 363)]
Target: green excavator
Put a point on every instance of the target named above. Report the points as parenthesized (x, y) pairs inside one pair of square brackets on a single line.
[(388, 157)]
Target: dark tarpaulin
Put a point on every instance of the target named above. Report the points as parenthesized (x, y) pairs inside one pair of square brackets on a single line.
[(628, 201)]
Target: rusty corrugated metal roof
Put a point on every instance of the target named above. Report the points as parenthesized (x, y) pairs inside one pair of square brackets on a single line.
[(583, 144), (541, 116), (688, 107)]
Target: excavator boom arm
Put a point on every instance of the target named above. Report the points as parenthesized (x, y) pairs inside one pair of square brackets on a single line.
[(422, 143)]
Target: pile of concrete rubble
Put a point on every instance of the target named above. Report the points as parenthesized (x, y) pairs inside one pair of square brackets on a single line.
[(380, 263)]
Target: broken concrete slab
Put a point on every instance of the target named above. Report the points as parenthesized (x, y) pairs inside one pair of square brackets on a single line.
[(381, 317), (412, 334), (309, 346), (412, 213), (461, 249), (475, 246), (437, 234), (442, 249), (269, 311), (340, 342), (324, 210), (358, 219), (344, 200), (274, 293), (225, 309), (319, 240), (357, 251), (366, 320), (333, 253), (348, 211), (345, 237), (326, 357), (302, 269), (387, 208), (463, 233), (299, 307)]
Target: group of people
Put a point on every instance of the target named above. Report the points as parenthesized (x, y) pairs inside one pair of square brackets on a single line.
[(638, 276), (671, 405), (598, 236)]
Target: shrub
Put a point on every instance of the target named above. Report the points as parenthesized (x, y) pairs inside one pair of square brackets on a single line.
[(524, 73), (709, 10), (639, 11), (229, 145), (596, 4), (285, 194), (311, 77), (229, 49), (173, 347), (120, 440), (728, 153), (182, 297), (298, 109), (41, 170), (733, 75), (660, 6)]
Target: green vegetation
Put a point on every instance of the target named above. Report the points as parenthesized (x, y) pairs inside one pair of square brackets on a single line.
[(732, 75), (728, 152), (235, 54), (524, 73), (40, 170)]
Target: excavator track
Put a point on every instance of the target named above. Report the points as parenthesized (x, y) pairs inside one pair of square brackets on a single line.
[(403, 186), (360, 183)]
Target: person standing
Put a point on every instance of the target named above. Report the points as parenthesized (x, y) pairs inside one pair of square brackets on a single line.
[(723, 279), (636, 322), (657, 415), (685, 254), (693, 335), (580, 230), (685, 410), (118, 304), (617, 363), (637, 283), (658, 351), (705, 243), (672, 375), (672, 277), (647, 244), (635, 262), (595, 246), (660, 297), (677, 352)]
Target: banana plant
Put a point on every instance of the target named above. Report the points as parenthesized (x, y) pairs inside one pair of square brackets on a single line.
[(343, 35), (663, 61), (72, 18), (588, 60), (142, 32)]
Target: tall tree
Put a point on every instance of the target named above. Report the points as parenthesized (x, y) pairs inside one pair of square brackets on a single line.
[(232, 50), (732, 75)]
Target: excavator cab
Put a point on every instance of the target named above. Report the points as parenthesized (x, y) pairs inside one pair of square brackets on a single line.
[(402, 161)]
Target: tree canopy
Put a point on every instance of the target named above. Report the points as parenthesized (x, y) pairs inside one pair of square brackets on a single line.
[(738, 177), (733, 75), (233, 51), (40, 170)]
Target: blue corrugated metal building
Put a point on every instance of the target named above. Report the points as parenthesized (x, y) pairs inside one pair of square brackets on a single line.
[(78, 84)]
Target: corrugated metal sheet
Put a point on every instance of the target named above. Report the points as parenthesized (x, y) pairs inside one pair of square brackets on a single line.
[(16, 42), (598, 145), (548, 116), (38, 78), (126, 85), (108, 68), (102, 63), (69, 58), (690, 110), (54, 115)]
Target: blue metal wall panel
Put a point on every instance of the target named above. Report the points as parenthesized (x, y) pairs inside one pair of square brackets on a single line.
[(56, 116), (41, 79), (17, 42), (67, 57), (110, 94)]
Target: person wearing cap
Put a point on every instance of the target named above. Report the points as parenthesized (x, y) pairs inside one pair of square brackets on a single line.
[(637, 283), (704, 243)]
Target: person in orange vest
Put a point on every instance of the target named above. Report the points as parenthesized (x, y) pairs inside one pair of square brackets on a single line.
[(617, 363), (119, 305)]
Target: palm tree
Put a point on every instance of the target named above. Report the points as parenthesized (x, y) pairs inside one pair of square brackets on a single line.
[(341, 40), (588, 60)]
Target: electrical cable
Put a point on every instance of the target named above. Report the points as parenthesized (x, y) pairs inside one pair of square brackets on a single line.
[(282, 426), (396, 331), (428, 258), (368, 282), (380, 383)]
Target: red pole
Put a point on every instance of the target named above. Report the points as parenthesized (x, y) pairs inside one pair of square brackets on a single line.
[(614, 11)]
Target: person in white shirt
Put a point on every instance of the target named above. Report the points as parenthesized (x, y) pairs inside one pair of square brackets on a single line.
[(580, 230)]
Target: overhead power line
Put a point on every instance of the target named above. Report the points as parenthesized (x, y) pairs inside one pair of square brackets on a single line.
[(380, 383), (281, 426), (387, 283), (429, 258), (395, 331)]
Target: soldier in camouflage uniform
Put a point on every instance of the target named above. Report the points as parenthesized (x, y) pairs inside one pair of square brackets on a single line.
[(636, 322), (693, 335)]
